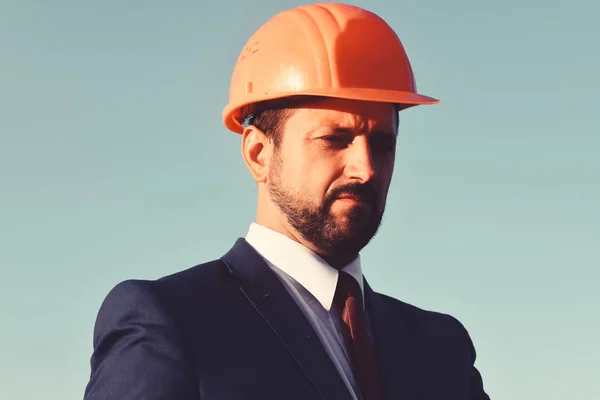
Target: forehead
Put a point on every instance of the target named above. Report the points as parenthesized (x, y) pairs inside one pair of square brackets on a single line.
[(361, 117)]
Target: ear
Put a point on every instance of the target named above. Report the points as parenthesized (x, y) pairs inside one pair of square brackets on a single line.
[(256, 151)]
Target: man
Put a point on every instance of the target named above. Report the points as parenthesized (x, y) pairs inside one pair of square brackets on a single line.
[(286, 313)]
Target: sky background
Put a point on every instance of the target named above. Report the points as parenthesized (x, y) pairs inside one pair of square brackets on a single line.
[(114, 164)]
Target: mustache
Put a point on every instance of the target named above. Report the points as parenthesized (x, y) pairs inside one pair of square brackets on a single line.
[(365, 192)]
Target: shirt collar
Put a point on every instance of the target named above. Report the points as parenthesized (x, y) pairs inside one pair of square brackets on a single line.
[(302, 264)]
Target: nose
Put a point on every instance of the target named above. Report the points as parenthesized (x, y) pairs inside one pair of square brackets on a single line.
[(360, 165)]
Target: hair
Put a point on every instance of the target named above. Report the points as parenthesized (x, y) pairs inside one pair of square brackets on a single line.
[(271, 122), (270, 116)]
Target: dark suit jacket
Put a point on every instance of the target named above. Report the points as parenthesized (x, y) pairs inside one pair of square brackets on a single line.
[(228, 329)]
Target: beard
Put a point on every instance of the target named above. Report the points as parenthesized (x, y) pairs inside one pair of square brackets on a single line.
[(331, 234)]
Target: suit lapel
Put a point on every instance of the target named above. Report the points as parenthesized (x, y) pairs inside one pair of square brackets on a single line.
[(272, 301), (392, 344)]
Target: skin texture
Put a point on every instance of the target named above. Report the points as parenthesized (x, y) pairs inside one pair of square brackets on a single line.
[(326, 184)]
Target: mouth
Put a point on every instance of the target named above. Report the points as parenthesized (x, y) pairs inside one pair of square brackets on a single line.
[(351, 197), (354, 199)]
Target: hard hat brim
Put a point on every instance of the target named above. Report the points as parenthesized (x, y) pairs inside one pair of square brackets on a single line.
[(233, 118)]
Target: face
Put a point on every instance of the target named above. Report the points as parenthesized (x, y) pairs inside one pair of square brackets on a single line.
[(331, 173)]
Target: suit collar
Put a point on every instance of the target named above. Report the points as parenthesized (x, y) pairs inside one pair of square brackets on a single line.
[(244, 262), (271, 300), (302, 264)]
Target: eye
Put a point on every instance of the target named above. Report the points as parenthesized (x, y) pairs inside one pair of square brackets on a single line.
[(334, 138), (390, 146), (384, 144), (337, 140)]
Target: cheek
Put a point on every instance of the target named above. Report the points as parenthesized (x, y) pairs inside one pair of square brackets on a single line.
[(310, 173), (384, 176), (387, 173)]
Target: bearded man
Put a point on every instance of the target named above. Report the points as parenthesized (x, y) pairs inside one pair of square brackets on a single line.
[(287, 312)]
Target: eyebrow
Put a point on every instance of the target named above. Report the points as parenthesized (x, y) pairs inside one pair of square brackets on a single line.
[(378, 132), (385, 133)]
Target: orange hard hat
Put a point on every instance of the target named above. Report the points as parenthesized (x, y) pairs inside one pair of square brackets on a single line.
[(327, 49)]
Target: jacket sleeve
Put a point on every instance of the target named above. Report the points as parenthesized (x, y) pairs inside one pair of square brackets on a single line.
[(137, 354), (477, 392), (476, 382)]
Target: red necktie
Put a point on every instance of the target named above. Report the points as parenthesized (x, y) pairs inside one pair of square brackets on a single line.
[(348, 299)]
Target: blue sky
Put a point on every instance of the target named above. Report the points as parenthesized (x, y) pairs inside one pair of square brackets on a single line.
[(114, 164)]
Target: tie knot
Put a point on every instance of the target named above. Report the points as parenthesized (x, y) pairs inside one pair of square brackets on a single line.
[(347, 288)]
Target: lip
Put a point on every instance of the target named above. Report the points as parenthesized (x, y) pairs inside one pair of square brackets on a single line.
[(354, 199)]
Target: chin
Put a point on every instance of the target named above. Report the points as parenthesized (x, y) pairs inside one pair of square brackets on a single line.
[(355, 218)]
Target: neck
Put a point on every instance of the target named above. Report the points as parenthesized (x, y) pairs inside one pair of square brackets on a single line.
[(337, 260), (268, 215)]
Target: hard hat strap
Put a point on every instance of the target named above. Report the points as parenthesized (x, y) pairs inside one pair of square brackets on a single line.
[(248, 121)]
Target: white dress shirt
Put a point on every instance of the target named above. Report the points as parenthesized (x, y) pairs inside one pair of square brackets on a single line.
[(312, 283)]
